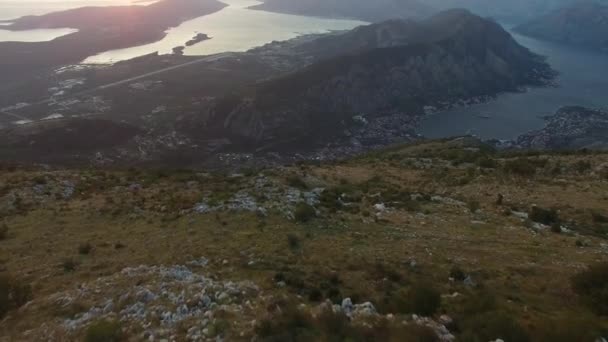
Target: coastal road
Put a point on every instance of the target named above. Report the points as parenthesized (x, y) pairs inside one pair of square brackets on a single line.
[(212, 58), (13, 115), (205, 59)]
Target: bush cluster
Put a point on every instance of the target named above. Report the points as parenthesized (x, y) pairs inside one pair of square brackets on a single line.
[(104, 331), (523, 166), (292, 324), (304, 212), (3, 232), (13, 294), (421, 299), (545, 216), (592, 286), (481, 319)]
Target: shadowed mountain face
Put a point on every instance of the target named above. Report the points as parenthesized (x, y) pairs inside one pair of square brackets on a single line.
[(372, 11), (583, 24), (394, 67)]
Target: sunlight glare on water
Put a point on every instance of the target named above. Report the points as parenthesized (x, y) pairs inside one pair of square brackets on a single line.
[(11, 9), (234, 28)]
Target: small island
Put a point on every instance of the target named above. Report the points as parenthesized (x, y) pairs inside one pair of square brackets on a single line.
[(178, 50), (197, 39)]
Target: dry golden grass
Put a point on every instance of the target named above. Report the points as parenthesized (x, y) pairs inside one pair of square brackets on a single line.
[(528, 271)]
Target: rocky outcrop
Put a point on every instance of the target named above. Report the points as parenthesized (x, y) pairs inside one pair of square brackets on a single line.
[(570, 128), (161, 300), (583, 24)]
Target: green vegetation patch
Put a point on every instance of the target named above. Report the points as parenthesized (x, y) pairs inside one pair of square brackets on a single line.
[(104, 331), (592, 286)]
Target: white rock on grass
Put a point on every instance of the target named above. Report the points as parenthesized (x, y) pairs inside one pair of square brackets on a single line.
[(165, 294)]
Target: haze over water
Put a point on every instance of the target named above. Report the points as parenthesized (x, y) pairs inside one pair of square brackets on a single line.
[(12, 9), (234, 28)]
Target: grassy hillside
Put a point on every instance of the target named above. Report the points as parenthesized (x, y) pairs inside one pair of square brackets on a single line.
[(478, 244)]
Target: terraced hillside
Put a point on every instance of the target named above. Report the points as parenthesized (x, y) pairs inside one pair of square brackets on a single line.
[(441, 240)]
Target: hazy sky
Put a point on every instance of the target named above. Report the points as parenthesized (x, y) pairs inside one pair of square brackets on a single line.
[(11, 9)]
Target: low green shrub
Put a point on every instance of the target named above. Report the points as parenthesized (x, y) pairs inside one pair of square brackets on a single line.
[(568, 330), (592, 286), (4, 296), (293, 241), (104, 331), (20, 294), (291, 325), (545, 216), (521, 167), (492, 325), (85, 249), (423, 299), (582, 166), (69, 265), (295, 325), (486, 162), (3, 232), (457, 273), (482, 301), (304, 212), (599, 218), (473, 206), (13, 294), (297, 182)]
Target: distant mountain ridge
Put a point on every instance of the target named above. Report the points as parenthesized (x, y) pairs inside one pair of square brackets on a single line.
[(372, 11), (583, 24), (512, 11), (394, 67)]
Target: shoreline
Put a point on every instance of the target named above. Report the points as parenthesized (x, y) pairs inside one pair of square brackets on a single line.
[(93, 36)]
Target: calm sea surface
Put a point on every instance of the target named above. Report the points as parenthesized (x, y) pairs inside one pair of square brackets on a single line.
[(583, 81), (234, 28)]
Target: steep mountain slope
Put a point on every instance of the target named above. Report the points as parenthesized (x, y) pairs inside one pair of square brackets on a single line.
[(372, 11), (395, 67), (583, 24)]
